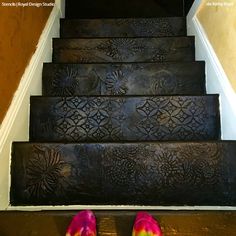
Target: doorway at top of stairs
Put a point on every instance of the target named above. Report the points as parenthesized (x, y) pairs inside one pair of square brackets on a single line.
[(123, 8)]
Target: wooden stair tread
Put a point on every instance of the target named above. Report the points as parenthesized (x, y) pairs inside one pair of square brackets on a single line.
[(119, 223)]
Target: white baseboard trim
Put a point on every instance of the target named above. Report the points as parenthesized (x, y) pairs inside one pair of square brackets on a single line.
[(216, 78), (120, 207), (193, 10), (61, 6), (15, 126)]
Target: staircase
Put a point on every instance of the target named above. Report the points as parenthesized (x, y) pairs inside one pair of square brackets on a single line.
[(125, 120)]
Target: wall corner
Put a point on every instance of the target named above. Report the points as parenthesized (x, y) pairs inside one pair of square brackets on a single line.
[(61, 6)]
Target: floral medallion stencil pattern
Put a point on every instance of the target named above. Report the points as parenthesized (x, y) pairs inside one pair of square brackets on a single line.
[(116, 83), (125, 27), (119, 79), (147, 27), (160, 55), (115, 173), (121, 48), (129, 49), (65, 82), (164, 82), (46, 172), (165, 169), (70, 80)]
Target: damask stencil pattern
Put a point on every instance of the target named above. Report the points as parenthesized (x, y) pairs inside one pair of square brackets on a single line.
[(82, 119), (125, 118), (193, 173), (173, 117)]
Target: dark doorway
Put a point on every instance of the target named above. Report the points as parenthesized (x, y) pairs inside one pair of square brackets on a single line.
[(123, 8), (188, 4)]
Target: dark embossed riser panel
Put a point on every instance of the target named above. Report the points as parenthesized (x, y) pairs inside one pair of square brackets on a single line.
[(124, 118), (129, 174), (124, 79), (123, 50), (124, 27)]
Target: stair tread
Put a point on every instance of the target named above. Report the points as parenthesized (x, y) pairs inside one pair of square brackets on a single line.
[(113, 118), (123, 27), (124, 79), (151, 173), (215, 223), (123, 49)]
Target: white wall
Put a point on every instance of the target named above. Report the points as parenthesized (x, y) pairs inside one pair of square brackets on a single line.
[(15, 126), (217, 81)]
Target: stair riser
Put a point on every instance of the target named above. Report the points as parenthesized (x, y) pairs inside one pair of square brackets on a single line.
[(76, 119), (124, 79), (134, 174), (123, 50), (139, 27)]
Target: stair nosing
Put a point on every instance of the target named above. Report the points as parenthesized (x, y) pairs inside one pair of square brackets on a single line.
[(121, 18), (108, 38), (125, 96), (129, 142), (129, 63)]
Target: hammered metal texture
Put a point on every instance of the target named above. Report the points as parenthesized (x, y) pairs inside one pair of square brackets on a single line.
[(166, 173), (123, 27), (124, 79), (123, 50), (74, 119)]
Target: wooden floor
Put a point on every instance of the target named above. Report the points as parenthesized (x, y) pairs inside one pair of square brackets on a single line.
[(112, 223), (123, 8)]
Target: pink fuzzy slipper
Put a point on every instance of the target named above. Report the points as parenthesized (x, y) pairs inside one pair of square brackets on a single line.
[(83, 224), (146, 225)]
